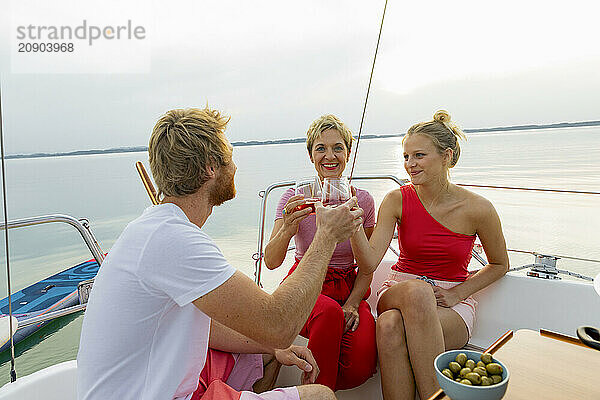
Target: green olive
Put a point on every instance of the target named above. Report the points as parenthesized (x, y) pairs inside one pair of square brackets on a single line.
[(474, 378), (458, 379), (461, 358), (454, 367), (464, 372), (480, 370), (466, 382), (496, 378), (470, 364), (480, 364), (448, 373), (485, 381), (494, 368), (486, 358)]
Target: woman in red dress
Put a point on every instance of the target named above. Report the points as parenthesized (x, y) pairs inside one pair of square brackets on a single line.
[(341, 328)]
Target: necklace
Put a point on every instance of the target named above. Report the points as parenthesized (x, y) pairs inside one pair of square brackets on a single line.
[(444, 188)]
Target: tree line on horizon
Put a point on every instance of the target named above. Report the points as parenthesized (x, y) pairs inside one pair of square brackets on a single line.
[(136, 149)]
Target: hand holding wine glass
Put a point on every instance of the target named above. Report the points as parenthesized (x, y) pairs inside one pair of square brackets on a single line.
[(335, 191), (311, 189), (340, 222), (292, 214)]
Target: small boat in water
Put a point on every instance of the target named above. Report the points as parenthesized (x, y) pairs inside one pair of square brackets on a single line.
[(518, 303), (29, 309), (54, 293)]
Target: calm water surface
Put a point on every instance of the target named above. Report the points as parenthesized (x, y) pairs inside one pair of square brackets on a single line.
[(106, 190)]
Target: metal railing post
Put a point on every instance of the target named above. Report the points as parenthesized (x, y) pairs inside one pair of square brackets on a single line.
[(258, 256), (82, 228)]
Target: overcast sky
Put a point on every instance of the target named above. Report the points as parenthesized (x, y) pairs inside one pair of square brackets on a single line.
[(274, 66)]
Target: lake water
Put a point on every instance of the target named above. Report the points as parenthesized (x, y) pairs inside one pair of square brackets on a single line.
[(106, 189)]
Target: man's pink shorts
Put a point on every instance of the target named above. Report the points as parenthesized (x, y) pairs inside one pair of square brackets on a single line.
[(229, 376)]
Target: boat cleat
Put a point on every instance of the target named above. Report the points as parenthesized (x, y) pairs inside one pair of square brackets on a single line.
[(544, 267)]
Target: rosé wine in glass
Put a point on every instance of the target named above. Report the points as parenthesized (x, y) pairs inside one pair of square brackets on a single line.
[(310, 203), (335, 191), (311, 189)]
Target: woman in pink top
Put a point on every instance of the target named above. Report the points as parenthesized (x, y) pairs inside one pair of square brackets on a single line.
[(341, 328), (425, 306)]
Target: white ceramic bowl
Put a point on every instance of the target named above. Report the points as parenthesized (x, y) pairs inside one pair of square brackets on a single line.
[(459, 391)]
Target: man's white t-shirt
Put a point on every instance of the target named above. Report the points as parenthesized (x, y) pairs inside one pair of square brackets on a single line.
[(142, 337)]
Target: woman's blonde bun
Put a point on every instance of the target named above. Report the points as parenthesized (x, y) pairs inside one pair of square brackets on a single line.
[(443, 133), (441, 116)]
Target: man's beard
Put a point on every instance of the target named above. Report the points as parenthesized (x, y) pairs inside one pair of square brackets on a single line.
[(223, 189)]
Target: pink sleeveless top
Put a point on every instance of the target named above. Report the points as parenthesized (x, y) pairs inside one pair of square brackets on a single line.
[(427, 247), (342, 257)]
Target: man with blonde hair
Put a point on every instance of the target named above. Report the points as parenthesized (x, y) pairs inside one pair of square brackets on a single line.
[(165, 292)]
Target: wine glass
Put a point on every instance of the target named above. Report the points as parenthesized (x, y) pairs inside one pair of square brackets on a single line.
[(311, 189), (335, 191)]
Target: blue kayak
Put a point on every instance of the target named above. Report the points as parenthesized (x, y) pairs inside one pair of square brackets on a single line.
[(54, 293)]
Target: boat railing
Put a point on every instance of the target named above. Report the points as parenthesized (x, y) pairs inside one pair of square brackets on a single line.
[(264, 194), (543, 267), (83, 227)]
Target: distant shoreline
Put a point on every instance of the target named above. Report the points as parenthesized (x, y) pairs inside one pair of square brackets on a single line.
[(137, 149)]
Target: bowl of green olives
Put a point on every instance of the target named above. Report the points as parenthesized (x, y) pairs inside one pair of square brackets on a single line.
[(471, 375)]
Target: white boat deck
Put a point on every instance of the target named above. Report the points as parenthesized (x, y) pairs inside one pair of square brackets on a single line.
[(514, 302)]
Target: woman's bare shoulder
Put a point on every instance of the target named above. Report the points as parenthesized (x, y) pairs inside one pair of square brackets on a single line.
[(477, 205), (391, 206), (393, 197)]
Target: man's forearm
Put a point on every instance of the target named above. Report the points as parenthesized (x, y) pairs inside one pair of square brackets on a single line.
[(226, 339), (298, 293), (276, 319)]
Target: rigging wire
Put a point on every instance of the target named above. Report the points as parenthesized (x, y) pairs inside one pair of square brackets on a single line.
[(529, 189), (362, 119), (539, 190), (13, 373), (535, 253)]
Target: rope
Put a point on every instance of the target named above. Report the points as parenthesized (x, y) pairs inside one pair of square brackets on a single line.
[(362, 119), (13, 373)]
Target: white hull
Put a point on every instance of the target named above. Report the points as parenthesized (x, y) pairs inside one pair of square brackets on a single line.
[(58, 382)]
